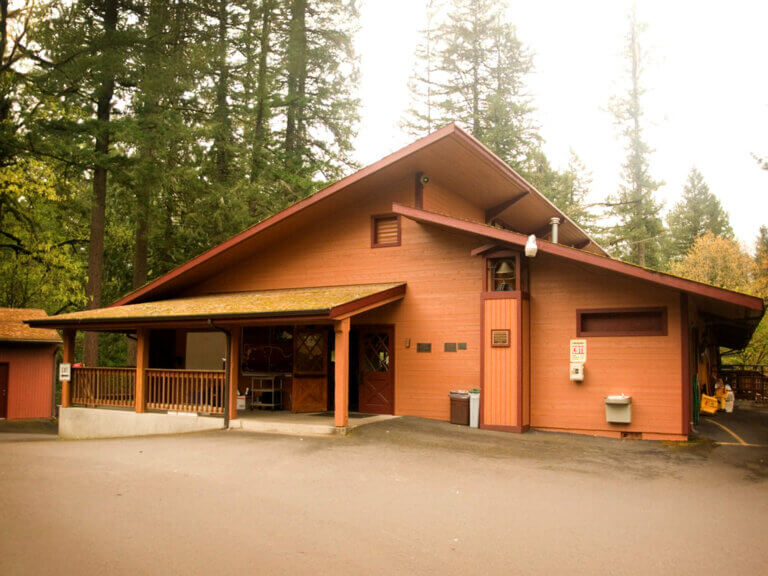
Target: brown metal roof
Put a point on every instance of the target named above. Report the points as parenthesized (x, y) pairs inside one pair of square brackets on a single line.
[(13, 328), (326, 301)]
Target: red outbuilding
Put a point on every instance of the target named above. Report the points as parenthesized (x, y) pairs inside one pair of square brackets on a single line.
[(27, 358)]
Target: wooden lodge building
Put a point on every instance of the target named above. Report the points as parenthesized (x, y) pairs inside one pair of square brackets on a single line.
[(407, 279)]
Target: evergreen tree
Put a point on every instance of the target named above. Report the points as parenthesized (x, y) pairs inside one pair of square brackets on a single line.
[(421, 117), (698, 211), (481, 81), (320, 110), (471, 68), (637, 235), (567, 190), (83, 66), (172, 124)]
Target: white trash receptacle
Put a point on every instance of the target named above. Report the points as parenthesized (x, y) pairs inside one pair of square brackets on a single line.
[(730, 399), (474, 408)]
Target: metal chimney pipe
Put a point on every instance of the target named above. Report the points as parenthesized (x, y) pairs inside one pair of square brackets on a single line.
[(555, 222)]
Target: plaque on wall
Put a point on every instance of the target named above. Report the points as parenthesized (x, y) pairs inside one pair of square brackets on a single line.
[(500, 338)]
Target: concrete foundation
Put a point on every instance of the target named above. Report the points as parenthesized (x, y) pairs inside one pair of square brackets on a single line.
[(83, 423), (282, 422)]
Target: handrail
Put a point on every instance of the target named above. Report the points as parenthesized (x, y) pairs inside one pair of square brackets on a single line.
[(186, 390), (104, 386)]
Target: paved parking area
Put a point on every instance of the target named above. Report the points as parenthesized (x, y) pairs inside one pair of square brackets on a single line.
[(746, 426), (405, 496)]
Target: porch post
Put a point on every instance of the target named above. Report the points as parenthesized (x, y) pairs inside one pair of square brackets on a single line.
[(142, 361), (341, 373), (234, 370), (68, 357)]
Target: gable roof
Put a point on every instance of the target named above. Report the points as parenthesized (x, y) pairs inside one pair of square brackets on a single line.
[(448, 153), (13, 328)]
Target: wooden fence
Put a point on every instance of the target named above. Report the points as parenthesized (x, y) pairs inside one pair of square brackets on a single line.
[(749, 382), (186, 390), (104, 386)]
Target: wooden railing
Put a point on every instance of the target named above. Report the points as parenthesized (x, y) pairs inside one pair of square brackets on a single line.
[(186, 390), (749, 382), (104, 386)]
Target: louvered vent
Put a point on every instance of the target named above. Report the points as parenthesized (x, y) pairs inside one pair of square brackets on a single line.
[(386, 231)]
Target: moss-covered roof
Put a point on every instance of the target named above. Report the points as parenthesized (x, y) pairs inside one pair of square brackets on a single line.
[(13, 329), (261, 303)]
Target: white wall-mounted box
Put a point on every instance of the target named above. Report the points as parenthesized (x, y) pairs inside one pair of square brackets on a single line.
[(618, 409)]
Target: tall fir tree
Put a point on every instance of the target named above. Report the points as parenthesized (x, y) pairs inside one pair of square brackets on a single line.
[(82, 74), (471, 68), (422, 115), (319, 106), (698, 211), (637, 234), (483, 66), (568, 189)]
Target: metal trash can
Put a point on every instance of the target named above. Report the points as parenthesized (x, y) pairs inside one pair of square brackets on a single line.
[(474, 407), (459, 407)]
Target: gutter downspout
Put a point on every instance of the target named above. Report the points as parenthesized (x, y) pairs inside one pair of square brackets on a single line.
[(226, 372)]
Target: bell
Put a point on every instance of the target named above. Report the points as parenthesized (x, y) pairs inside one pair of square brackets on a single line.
[(504, 269)]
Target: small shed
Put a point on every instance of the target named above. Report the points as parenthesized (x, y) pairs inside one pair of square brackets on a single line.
[(27, 359)]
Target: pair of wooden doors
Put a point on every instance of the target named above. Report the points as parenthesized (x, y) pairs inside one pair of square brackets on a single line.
[(376, 381)]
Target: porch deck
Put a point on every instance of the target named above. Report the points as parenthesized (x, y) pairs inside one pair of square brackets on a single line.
[(307, 424)]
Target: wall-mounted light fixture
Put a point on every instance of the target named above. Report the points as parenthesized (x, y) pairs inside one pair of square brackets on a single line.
[(531, 248)]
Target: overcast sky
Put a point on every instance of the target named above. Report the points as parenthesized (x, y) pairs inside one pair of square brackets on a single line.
[(706, 102)]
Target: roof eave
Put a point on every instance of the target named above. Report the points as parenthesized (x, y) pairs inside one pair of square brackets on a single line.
[(28, 341), (570, 253), (78, 322)]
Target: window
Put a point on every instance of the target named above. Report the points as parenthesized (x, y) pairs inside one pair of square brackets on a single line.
[(310, 351), (622, 322), (502, 274), (385, 230)]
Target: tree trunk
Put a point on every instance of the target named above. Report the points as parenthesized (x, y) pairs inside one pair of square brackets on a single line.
[(150, 89), (103, 96), (221, 113), (297, 72), (262, 91)]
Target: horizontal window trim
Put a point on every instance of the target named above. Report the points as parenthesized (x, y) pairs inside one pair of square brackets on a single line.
[(388, 215), (664, 331)]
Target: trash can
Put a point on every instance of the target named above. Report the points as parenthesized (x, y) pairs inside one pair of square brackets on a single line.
[(459, 407), (474, 407)]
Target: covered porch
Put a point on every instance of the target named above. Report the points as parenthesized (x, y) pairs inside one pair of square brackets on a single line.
[(249, 356)]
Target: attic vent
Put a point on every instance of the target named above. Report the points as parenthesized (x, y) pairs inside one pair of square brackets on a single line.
[(385, 230)]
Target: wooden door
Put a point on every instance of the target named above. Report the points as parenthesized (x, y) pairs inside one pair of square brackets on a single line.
[(377, 367), (501, 396), (3, 390), (309, 389)]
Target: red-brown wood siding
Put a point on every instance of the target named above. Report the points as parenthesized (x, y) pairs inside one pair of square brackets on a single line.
[(439, 199), (648, 368), (500, 364), (525, 360), (441, 301), (30, 379)]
